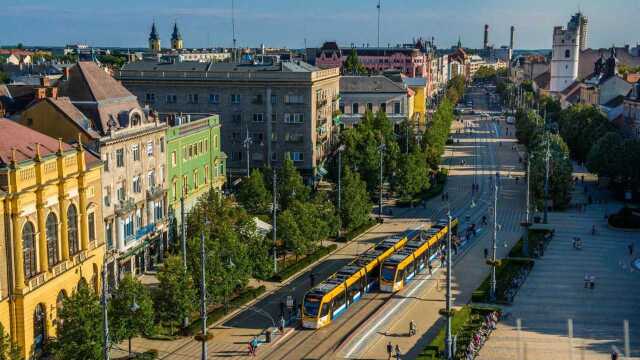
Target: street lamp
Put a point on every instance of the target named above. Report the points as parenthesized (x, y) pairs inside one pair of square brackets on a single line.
[(495, 242), (449, 342), (105, 317), (546, 181), (274, 228), (134, 309), (525, 237), (247, 145), (203, 296), (381, 148), (340, 150)]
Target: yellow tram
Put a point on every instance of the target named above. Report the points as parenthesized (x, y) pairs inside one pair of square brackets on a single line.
[(400, 268), (329, 299)]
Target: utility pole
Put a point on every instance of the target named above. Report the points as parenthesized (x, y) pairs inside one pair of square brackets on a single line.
[(203, 297), (274, 230), (247, 145), (183, 232), (105, 317), (546, 181), (407, 137), (381, 149), (378, 23), (495, 241), (340, 150), (233, 29), (449, 342)]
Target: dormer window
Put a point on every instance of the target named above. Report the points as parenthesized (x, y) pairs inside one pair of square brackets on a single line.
[(136, 120)]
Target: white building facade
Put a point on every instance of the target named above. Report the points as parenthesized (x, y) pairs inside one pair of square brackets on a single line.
[(565, 55)]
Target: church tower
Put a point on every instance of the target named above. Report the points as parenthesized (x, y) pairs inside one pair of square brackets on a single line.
[(154, 40), (565, 55), (176, 38)]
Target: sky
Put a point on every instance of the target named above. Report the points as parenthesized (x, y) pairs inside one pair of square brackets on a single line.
[(126, 23)]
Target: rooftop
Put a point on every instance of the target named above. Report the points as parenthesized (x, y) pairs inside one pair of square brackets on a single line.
[(370, 84), (23, 140)]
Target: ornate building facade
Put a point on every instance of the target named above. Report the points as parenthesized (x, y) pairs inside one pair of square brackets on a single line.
[(52, 238)]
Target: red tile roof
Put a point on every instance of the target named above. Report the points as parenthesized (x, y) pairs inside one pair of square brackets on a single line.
[(23, 140), (101, 85)]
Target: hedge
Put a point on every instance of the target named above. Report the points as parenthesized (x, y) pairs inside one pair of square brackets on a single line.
[(246, 295), (535, 238), (505, 272), (357, 231), (292, 269), (625, 219)]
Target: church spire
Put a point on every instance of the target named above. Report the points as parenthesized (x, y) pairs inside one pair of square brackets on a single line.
[(459, 42), (154, 39), (154, 32), (176, 37)]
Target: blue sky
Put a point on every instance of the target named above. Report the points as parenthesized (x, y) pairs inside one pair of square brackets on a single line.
[(289, 22)]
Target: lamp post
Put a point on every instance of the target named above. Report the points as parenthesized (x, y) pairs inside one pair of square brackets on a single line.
[(105, 317), (203, 296), (274, 230), (495, 242), (183, 229), (381, 148), (340, 150), (449, 342), (525, 237), (546, 181), (247, 145), (134, 309)]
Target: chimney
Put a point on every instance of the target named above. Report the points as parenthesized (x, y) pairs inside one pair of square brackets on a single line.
[(66, 73), (513, 30), (45, 81), (41, 93), (486, 36), (54, 92)]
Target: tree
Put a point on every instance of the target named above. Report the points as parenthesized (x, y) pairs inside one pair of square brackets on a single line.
[(560, 170), (356, 205), (529, 127), (4, 78), (485, 73), (130, 310), (412, 177), (455, 88), (581, 126), (176, 296), (352, 64), (604, 154), (291, 234), (435, 136), (79, 324), (253, 194), (9, 350), (290, 185)]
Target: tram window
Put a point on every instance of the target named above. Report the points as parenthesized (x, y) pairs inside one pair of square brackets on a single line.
[(400, 275), (388, 273), (325, 310), (311, 305), (339, 300)]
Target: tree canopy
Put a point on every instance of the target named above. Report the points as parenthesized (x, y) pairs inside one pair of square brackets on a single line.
[(254, 195), (9, 350), (131, 311), (560, 170), (352, 64), (581, 126), (176, 296), (356, 205)]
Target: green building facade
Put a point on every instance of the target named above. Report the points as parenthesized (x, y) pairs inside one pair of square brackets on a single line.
[(195, 162)]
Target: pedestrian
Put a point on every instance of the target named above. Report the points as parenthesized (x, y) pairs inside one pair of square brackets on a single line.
[(614, 355), (254, 345), (586, 280), (486, 253), (430, 268), (442, 197), (630, 249), (389, 350), (282, 324), (397, 352), (251, 352), (412, 328)]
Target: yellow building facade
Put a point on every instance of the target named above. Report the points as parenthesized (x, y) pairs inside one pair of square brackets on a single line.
[(51, 207)]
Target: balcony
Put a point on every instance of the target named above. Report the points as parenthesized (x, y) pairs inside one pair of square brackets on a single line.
[(145, 230), (125, 206), (321, 103), (155, 192)]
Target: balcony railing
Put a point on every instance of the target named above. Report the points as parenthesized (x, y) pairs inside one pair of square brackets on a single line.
[(321, 103), (143, 231), (125, 206), (155, 192)]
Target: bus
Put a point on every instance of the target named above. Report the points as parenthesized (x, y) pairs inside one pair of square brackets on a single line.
[(329, 299), (399, 269)]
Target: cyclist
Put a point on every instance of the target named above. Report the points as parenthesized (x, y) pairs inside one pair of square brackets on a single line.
[(484, 219)]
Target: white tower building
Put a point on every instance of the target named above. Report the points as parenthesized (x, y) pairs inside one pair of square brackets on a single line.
[(565, 55)]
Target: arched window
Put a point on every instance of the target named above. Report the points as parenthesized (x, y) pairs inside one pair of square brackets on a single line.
[(72, 229), (59, 305), (567, 53), (39, 327), (52, 239), (29, 250)]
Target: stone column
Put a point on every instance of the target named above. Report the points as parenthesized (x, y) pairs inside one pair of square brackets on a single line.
[(64, 238), (84, 221), (119, 233), (18, 254), (42, 241)]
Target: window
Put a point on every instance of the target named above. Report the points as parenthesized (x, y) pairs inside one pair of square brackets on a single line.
[(354, 108), (214, 99), (128, 228), (190, 151), (259, 117), (296, 156), (184, 153), (235, 98), (200, 147), (383, 107), (567, 53), (151, 98), (174, 160), (274, 99), (122, 191), (135, 150), (370, 106), (135, 185), (171, 99), (192, 98), (161, 175), (120, 157), (39, 328), (236, 118), (162, 144), (257, 137), (341, 107), (206, 143), (107, 196), (174, 187), (108, 233), (151, 178), (29, 250), (92, 226), (257, 99), (206, 174), (106, 162), (150, 148), (52, 239), (296, 118), (195, 179), (185, 185), (158, 210), (294, 99), (396, 108), (138, 218), (72, 229), (274, 156)]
